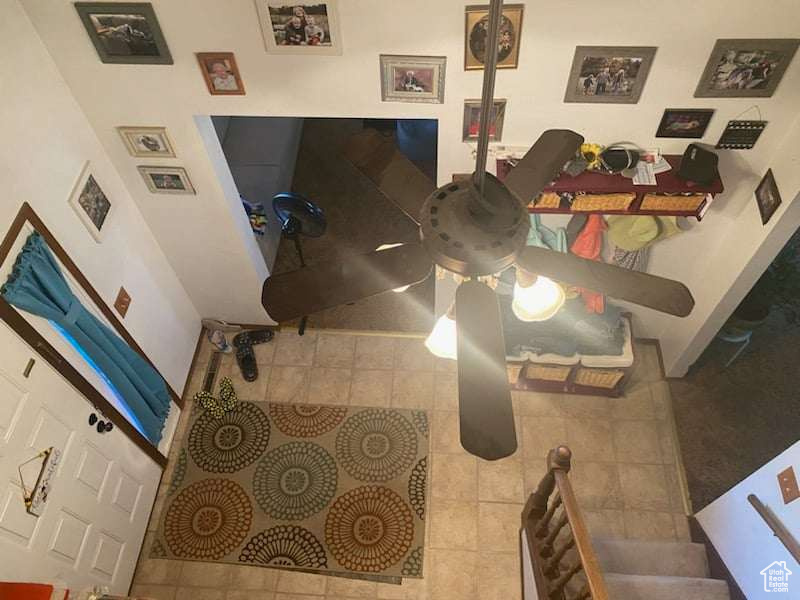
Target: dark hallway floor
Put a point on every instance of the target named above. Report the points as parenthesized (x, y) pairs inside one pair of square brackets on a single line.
[(732, 421), (360, 219)]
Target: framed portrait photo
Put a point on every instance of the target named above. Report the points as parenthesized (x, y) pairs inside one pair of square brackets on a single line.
[(508, 38), (684, 122), (166, 180), (609, 74), (742, 68), (412, 78), (147, 142), (472, 120), (296, 28), (220, 73), (90, 202), (125, 32), (768, 197)]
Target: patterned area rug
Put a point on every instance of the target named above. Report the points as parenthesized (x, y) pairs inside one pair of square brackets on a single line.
[(327, 489)]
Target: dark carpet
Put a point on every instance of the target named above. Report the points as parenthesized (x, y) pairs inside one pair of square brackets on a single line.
[(360, 218), (732, 421)]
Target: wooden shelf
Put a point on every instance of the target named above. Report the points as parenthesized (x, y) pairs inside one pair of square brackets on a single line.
[(592, 182)]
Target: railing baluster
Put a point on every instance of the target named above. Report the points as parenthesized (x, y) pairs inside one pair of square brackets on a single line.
[(558, 585), (547, 544), (544, 522), (551, 566)]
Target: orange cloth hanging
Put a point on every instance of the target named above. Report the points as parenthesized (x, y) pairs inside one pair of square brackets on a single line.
[(588, 244)]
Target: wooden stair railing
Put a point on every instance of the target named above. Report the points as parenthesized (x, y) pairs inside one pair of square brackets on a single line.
[(553, 525)]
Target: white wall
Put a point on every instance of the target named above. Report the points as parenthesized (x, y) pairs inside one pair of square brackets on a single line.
[(741, 536), (348, 86), (47, 140)]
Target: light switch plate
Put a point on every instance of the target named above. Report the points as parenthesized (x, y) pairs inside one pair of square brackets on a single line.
[(122, 302), (788, 482)]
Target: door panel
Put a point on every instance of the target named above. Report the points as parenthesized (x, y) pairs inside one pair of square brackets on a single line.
[(94, 521)]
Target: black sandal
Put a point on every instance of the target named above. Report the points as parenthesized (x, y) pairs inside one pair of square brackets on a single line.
[(251, 338), (246, 359)]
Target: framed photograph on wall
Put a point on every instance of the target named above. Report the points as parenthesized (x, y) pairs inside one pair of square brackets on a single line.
[(296, 28), (472, 120), (745, 68), (90, 202), (166, 180), (125, 32), (508, 39), (684, 122), (768, 197), (412, 78), (147, 142), (220, 73), (609, 74)]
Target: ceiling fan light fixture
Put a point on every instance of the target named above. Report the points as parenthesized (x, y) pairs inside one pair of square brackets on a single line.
[(443, 339), (538, 301)]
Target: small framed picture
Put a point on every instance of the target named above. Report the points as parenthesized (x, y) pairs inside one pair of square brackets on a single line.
[(220, 73), (745, 68), (167, 180), (147, 142), (125, 32), (508, 39), (412, 78), (293, 28), (768, 197), (609, 74), (90, 202), (472, 120), (684, 122)]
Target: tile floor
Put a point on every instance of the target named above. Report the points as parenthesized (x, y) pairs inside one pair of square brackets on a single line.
[(624, 469)]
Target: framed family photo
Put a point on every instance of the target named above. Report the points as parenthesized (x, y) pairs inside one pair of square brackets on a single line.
[(220, 73), (166, 180), (684, 122), (472, 120), (293, 28), (90, 202), (125, 32), (768, 197), (508, 39), (745, 68), (609, 74), (412, 78), (147, 142)]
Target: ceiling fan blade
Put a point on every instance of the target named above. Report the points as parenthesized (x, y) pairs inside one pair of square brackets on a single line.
[(658, 293), (396, 176), (484, 394), (317, 287), (542, 163)]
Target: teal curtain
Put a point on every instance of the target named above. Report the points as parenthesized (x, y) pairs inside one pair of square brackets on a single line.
[(36, 285)]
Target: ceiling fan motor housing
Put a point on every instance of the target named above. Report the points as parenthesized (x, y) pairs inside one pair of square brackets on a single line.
[(461, 235)]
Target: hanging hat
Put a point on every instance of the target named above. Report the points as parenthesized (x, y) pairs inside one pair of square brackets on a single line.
[(633, 233)]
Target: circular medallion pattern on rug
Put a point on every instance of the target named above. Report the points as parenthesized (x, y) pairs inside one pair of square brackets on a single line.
[(285, 545), (416, 487), (295, 480), (178, 473), (306, 420), (376, 445), (369, 529), (412, 567), (229, 443), (208, 519)]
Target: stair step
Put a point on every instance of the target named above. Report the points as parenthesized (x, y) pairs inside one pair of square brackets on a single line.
[(632, 557), (650, 587)]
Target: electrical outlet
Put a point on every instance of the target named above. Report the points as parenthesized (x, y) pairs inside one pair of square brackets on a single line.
[(788, 483), (122, 302)]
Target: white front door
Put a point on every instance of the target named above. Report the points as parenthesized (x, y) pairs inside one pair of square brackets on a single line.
[(94, 521)]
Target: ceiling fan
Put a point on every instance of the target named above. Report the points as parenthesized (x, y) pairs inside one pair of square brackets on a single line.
[(473, 227)]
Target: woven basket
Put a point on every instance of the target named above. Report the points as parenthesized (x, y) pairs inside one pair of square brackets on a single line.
[(513, 371), (547, 372), (547, 200), (594, 202), (661, 202), (601, 378)]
